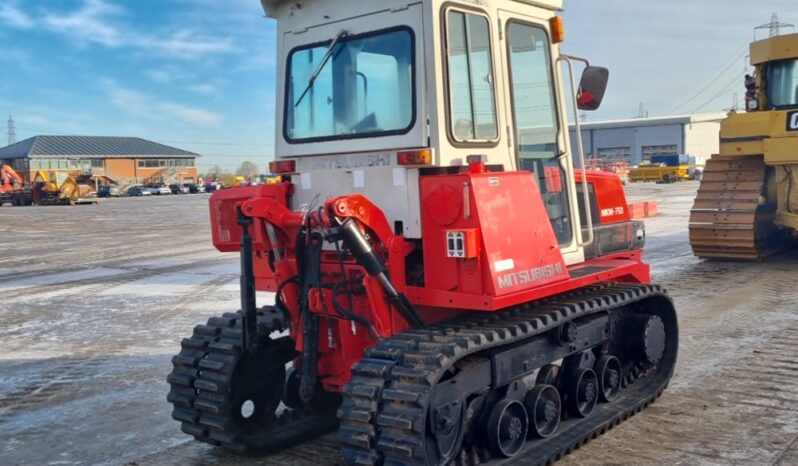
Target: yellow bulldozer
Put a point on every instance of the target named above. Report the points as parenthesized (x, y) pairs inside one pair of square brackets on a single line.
[(747, 203)]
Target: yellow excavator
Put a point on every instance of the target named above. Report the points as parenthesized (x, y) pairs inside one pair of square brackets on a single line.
[(59, 188), (747, 203)]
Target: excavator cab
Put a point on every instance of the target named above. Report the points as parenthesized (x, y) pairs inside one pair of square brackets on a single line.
[(444, 294)]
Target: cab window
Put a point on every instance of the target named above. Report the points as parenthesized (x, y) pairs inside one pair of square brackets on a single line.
[(535, 123), (472, 104), (351, 87), (783, 83)]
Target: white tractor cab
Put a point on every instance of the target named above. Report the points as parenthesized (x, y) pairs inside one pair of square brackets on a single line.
[(372, 94)]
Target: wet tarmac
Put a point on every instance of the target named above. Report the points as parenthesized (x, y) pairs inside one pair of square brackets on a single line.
[(95, 299)]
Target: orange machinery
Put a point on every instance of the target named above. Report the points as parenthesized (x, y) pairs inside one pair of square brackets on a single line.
[(12, 187)]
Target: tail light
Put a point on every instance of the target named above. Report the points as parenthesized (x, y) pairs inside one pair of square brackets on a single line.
[(282, 167), (415, 157)]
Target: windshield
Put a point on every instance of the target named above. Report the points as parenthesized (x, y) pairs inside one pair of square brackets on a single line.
[(783, 83), (363, 87)]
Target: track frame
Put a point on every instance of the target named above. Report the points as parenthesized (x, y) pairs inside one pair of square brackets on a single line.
[(386, 406)]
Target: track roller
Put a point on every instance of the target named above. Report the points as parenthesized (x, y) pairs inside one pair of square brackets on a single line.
[(548, 375), (458, 393), (610, 375), (507, 428), (544, 407), (581, 392)]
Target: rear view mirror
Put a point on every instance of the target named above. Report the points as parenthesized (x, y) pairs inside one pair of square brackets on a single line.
[(592, 87)]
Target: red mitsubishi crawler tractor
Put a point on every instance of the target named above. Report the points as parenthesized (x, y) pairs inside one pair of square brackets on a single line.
[(449, 289)]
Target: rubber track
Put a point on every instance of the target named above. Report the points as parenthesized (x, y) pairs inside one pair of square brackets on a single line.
[(387, 397), (202, 377)]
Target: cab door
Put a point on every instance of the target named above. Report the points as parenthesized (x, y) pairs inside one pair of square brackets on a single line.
[(538, 130)]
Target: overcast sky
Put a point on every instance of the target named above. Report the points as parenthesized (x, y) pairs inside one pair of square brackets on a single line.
[(674, 56), (199, 74)]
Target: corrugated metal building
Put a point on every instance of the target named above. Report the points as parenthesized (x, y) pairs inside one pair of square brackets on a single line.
[(122, 160), (638, 139)]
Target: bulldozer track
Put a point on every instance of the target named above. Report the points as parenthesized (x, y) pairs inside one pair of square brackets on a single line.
[(384, 411), (731, 217)]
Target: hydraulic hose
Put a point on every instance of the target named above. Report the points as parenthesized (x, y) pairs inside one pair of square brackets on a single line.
[(350, 314), (364, 255)]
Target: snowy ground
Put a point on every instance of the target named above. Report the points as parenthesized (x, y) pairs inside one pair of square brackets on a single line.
[(95, 299)]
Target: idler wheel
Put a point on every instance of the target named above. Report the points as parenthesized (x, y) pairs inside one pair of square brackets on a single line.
[(544, 406), (507, 428), (610, 375), (581, 392), (255, 393), (448, 424)]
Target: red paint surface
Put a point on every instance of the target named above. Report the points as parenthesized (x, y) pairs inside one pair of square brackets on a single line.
[(502, 214), (507, 210), (610, 196)]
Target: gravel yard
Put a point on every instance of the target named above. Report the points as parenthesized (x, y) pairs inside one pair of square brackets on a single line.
[(95, 299)]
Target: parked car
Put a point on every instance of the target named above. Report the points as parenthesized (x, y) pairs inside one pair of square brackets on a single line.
[(194, 188), (109, 191), (159, 189), (138, 191), (178, 188), (211, 187)]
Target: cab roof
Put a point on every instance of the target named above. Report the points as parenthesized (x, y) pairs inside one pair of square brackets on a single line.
[(270, 7), (775, 48)]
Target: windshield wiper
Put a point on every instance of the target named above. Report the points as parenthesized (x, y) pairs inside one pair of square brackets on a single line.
[(319, 68)]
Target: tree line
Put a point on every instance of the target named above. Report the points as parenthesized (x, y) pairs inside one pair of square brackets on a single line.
[(247, 169)]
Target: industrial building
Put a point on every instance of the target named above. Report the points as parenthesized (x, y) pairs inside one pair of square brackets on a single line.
[(118, 160), (637, 140)]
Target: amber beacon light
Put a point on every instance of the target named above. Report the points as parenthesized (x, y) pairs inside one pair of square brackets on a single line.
[(557, 29)]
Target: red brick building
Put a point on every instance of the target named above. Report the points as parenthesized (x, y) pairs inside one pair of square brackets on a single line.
[(118, 160)]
